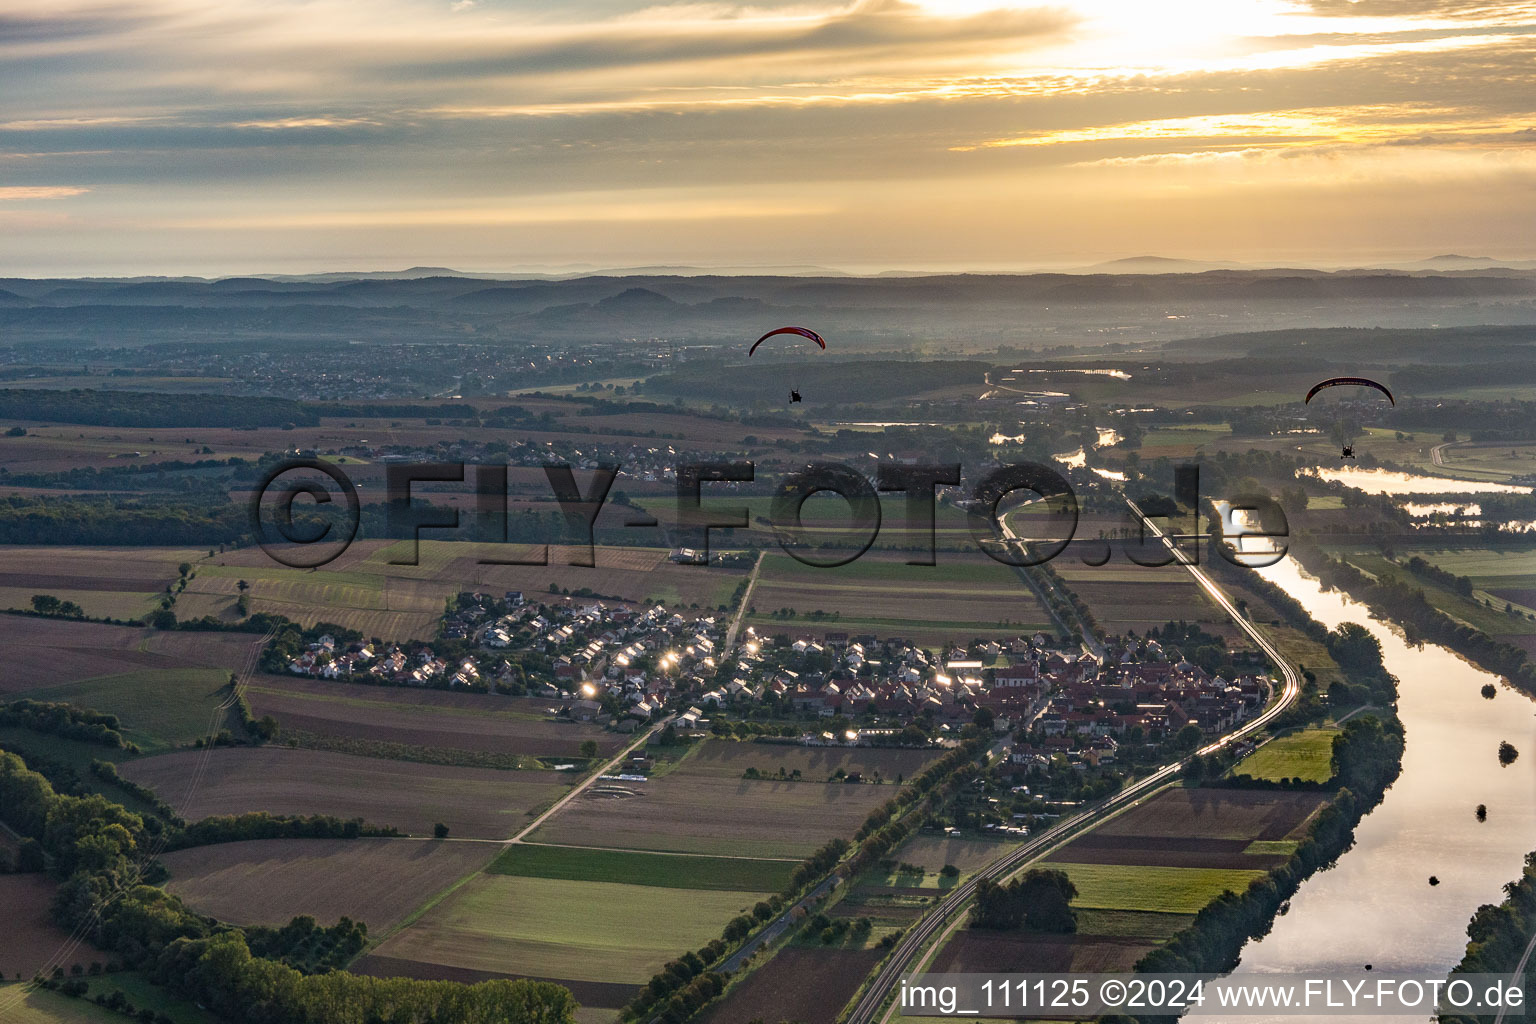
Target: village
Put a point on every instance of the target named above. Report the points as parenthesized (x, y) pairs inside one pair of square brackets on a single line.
[(623, 667)]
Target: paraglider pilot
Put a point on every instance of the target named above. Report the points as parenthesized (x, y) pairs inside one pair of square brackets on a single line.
[(1348, 453)]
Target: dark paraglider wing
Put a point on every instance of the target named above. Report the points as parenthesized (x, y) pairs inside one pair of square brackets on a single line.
[(1364, 382), (804, 332)]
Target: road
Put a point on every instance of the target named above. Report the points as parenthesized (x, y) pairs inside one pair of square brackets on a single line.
[(581, 787), (741, 609), (916, 939), (1434, 453), (776, 929)]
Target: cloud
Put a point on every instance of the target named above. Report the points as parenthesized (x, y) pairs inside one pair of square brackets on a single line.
[(13, 192)]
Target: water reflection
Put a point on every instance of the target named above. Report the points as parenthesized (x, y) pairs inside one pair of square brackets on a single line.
[(1383, 481), (1375, 904)]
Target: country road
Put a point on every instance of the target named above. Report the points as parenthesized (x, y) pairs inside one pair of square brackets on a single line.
[(937, 922), (581, 787), (746, 602)]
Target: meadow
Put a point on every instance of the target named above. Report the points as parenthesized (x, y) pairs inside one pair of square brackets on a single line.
[(1151, 888), (560, 929), (160, 709), (1306, 754)]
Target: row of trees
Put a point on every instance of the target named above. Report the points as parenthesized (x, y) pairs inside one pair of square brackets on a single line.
[(65, 721)]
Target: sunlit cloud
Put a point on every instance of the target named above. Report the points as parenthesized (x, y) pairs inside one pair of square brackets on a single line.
[(895, 127), (13, 192), (1356, 125)]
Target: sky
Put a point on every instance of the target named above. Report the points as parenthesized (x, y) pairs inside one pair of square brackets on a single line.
[(213, 137)]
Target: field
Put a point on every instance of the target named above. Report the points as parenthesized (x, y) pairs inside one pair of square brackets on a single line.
[(965, 595), (473, 802), (669, 871), (1109, 941), (552, 928), (1217, 814), (712, 810), (1490, 572), (799, 984), (1307, 754), (41, 653), (1143, 874), (160, 709), (1153, 889), (931, 853), (118, 583), (725, 759), (30, 938), (430, 718), (364, 590), (39, 1006), (379, 882)]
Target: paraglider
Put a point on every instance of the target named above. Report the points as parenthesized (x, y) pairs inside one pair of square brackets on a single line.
[(1333, 382), (1364, 382), (804, 332)]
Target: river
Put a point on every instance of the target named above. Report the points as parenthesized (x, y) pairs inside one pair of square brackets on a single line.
[(1375, 905)]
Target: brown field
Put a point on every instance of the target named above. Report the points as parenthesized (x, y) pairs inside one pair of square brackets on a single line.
[(807, 985), (984, 952), (587, 993), (457, 721), (687, 813), (30, 938), (1216, 814), (725, 759), (42, 652), (931, 853), (473, 802), (270, 881), (1165, 851)]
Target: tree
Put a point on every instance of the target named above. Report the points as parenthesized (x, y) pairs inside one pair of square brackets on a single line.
[(1507, 753), (242, 586), (589, 749), (440, 831), (1041, 900), (1188, 738)]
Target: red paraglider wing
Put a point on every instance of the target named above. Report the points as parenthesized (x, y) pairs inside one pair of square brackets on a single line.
[(804, 332), (1365, 382)]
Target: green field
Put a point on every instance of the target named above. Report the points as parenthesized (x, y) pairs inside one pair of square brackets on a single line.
[(1307, 754), (1481, 567), (1161, 889), (160, 709), (17, 1006), (672, 871), (553, 928)]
